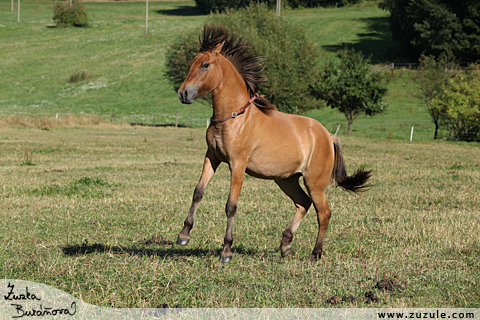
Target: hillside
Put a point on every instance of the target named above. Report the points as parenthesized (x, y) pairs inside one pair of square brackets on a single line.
[(125, 66)]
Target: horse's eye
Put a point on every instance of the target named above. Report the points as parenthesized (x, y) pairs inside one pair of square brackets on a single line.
[(205, 65)]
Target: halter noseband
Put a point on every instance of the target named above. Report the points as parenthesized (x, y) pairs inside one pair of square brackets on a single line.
[(236, 113)]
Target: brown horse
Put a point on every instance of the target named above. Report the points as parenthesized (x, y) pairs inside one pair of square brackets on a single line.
[(249, 134)]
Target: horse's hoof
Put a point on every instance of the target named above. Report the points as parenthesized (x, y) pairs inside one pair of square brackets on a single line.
[(314, 258), (182, 242), (225, 259), (286, 252)]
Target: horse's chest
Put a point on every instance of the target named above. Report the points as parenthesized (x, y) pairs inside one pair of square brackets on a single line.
[(216, 143)]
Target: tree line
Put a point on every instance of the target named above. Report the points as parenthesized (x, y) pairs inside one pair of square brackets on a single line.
[(437, 33)]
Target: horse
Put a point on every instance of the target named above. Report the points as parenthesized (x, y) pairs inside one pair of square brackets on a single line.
[(248, 133)]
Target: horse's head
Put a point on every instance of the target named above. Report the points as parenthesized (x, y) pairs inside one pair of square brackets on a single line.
[(204, 75)]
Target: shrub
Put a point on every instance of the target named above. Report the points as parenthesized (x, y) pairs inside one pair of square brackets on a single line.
[(460, 105), (179, 55), (289, 56), (74, 15)]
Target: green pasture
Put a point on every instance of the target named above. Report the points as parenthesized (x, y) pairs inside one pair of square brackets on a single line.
[(78, 206), (126, 66)]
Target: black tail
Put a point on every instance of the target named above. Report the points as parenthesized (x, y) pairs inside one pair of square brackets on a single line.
[(354, 183)]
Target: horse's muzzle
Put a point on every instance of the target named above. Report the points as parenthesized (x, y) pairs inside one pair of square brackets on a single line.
[(187, 94)]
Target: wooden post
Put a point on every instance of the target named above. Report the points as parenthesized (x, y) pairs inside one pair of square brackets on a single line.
[(279, 5), (176, 120), (411, 134), (146, 17), (154, 119), (12, 6), (18, 13)]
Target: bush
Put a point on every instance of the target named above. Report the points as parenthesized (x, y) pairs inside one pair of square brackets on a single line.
[(289, 56), (179, 55), (460, 105), (66, 15)]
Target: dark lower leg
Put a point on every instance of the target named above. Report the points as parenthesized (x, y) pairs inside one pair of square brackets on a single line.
[(323, 217), (209, 166), (318, 249), (286, 244), (184, 236), (226, 254)]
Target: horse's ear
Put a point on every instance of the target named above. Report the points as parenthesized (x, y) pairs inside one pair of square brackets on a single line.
[(218, 48)]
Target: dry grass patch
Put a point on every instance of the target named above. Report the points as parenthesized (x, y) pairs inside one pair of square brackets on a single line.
[(77, 220), (61, 121)]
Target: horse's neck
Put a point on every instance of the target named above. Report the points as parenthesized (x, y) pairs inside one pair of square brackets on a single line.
[(231, 94)]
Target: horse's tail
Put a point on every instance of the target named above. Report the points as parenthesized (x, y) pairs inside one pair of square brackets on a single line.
[(354, 183)]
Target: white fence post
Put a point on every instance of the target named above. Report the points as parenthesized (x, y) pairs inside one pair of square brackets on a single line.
[(337, 129), (411, 134)]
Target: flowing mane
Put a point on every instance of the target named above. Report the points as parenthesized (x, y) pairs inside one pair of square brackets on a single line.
[(235, 50)]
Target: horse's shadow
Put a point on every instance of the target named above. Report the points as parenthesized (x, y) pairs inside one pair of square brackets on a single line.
[(172, 251)]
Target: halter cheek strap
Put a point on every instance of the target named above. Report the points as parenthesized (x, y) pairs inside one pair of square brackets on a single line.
[(236, 113)]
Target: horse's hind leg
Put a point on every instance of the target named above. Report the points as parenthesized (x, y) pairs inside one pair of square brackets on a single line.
[(323, 217), (292, 188), (209, 166)]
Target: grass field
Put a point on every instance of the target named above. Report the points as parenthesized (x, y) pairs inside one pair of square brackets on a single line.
[(127, 68), (78, 220), (81, 196)]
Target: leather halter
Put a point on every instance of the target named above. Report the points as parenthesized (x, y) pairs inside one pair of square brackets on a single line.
[(236, 113)]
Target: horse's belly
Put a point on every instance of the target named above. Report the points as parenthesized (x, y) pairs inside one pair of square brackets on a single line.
[(275, 168)]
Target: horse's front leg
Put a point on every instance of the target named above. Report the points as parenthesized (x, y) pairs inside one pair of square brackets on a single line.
[(238, 174), (209, 166)]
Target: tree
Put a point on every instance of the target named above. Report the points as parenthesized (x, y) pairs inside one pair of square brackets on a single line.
[(460, 105), (431, 78), (289, 55), (433, 27), (351, 87)]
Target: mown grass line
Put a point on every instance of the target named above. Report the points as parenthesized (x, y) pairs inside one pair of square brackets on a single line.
[(419, 222)]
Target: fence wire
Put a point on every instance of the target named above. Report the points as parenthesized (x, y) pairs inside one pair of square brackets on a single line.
[(178, 120)]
